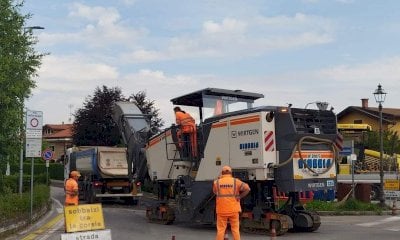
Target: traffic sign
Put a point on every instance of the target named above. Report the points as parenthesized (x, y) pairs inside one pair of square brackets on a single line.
[(33, 147), (85, 217), (99, 234), (347, 151), (47, 155), (391, 184), (391, 194), (34, 124)]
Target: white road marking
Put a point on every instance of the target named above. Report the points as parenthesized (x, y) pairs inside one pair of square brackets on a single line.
[(395, 229), (382, 221)]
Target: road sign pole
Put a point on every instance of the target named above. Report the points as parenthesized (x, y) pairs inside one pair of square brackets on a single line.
[(32, 166), (47, 173)]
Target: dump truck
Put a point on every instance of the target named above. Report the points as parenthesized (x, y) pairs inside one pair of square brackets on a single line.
[(104, 173), (272, 148)]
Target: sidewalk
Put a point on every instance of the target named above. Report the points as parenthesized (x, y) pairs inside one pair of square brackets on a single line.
[(47, 225)]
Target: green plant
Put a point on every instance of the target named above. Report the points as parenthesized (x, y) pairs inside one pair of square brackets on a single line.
[(15, 207), (349, 205)]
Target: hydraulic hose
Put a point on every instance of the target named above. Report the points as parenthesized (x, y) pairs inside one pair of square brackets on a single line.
[(309, 140)]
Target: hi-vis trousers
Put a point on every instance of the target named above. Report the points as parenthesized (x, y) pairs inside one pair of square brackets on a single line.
[(222, 222)]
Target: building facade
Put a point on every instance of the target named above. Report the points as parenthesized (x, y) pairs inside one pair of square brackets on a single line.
[(58, 138), (370, 115)]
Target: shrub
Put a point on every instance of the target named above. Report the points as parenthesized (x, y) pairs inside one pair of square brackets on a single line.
[(15, 207), (56, 170)]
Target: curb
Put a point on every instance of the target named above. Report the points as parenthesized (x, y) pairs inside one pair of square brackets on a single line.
[(6, 231), (353, 213)]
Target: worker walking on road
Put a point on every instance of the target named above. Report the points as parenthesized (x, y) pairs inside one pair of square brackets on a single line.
[(228, 191), (72, 189), (188, 136)]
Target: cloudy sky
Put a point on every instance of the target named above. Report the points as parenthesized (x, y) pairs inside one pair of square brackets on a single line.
[(292, 51)]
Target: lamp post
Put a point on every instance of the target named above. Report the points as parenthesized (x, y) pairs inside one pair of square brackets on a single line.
[(380, 96), (21, 157)]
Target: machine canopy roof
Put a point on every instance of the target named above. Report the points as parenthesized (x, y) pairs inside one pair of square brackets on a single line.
[(195, 99)]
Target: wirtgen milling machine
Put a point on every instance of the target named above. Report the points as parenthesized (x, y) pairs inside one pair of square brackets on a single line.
[(271, 148)]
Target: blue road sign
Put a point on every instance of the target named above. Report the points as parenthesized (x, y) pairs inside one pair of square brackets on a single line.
[(47, 155), (347, 151)]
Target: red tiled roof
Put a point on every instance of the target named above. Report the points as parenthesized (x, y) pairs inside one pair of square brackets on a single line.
[(58, 126), (59, 131), (66, 133)]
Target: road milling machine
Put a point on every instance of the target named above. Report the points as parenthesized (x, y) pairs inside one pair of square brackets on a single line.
[(273, 149)]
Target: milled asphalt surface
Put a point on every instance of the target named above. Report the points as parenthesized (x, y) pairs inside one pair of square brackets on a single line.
[(57, 205)]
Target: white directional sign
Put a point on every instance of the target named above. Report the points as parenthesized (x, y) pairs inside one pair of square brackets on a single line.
[(34, 124), (392, 194), (99, 234)]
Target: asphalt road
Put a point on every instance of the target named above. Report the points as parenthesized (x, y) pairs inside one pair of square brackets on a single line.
[(129, 222)]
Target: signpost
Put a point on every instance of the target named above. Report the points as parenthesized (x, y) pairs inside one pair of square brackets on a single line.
[(47, 155), (33, 136), (391, 188), (347, 151)]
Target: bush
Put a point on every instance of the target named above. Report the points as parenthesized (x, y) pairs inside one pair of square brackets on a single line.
[(14, 207), (11, 183), (56, 170)]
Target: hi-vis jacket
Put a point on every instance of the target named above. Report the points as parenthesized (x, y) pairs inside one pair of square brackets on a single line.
[(227, 190), (186, 121), (71, 189)]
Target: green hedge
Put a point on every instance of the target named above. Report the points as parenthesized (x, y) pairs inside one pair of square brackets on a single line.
[(11, 183), (14, 206), (56, 170)]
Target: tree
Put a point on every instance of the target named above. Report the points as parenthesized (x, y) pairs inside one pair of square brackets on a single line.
[(147, 107), (93, 125), (18, 66), (391, 142)]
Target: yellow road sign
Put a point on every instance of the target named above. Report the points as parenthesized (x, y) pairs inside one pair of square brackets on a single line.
[(391, 184), (84, 217)]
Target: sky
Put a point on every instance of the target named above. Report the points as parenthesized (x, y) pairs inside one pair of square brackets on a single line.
[(292, 51)]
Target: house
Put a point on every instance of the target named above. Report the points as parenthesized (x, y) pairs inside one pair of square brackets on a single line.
[(370, 115), (58, 137)]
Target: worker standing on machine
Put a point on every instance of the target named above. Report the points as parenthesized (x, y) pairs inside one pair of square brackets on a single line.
[(228, 192), (188, 138), (72, 189)]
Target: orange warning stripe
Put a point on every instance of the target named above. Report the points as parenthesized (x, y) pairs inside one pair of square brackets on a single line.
[(321, 154), (254, 118), (220, 124), (158, 139)]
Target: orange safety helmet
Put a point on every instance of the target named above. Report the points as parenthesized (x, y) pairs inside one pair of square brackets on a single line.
[(75, 174), (226, 170)]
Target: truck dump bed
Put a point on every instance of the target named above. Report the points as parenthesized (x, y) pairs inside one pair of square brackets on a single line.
[(107, 162)]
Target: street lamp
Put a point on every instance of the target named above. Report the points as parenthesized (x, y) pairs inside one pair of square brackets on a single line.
[(21, 157), (380, 96)]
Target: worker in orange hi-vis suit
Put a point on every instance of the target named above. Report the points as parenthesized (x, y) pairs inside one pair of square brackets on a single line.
[(228, 192), (188, 133), (72, 189)]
